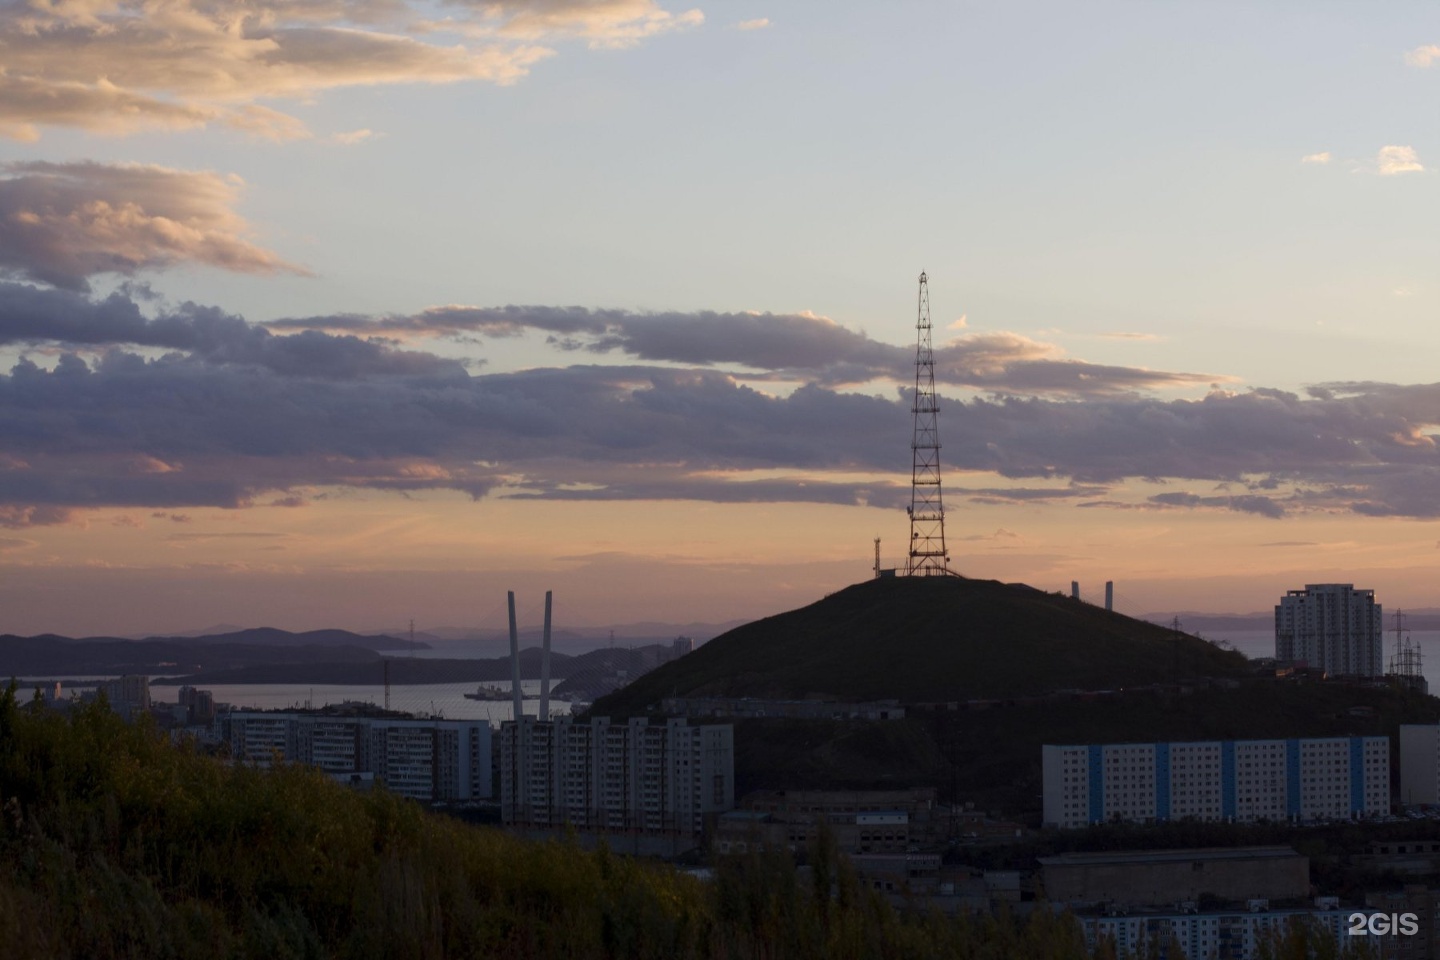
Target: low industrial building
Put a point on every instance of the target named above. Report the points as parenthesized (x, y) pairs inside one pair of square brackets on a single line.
[(1152, 877), (860, 821), (1402, 857)]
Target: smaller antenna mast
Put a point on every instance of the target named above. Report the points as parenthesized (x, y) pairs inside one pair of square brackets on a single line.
[(1406, 664)]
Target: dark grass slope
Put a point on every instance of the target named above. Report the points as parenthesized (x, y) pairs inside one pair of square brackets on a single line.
[(930, 639)]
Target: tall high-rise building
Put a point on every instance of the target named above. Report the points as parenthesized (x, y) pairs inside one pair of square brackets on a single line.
[(1331, 627)]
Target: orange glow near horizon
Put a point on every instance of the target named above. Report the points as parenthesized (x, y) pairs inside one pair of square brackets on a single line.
[(361, 560)]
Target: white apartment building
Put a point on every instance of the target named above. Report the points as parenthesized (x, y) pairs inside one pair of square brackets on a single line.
[(1331, 627), (1236, 934), (261, 739), (334, 744), (603, 777), (428, 760), (1327, 778)]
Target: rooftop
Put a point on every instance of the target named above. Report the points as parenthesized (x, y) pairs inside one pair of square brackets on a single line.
[(1105, 857)]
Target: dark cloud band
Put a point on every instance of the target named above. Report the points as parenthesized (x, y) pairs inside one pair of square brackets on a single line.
[(232, 411)]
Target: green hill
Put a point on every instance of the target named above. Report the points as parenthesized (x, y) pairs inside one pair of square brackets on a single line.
[(930, 639)]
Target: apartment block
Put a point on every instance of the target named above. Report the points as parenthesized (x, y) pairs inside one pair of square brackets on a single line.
[(1332, 627), (427, 760), (603, 777), (1245, 934), (1325, 778)]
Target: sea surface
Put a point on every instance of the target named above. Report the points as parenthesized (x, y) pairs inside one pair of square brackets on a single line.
[(430, 699), (448, 699)]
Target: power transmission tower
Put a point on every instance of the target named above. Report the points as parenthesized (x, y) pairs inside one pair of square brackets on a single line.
[(928, 557)]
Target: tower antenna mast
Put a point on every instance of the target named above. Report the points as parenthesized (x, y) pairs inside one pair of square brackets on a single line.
[(928, 557)]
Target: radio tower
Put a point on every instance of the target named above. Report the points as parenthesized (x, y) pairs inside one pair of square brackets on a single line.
[(928, 557)]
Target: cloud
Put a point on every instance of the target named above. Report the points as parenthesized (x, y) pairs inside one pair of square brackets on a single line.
[(1323, 157), (62, 223), (1027, 494), (1393, 160), (602, 23), (235, 414), (27, 103), (15, 516), (760, 23), (116, 66), (172, 517), (1263, 506), (1423, 56), (797, 346), (202, 335), (1000, 534), (352, 137)]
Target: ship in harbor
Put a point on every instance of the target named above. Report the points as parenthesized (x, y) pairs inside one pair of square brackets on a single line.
[(485, 692)]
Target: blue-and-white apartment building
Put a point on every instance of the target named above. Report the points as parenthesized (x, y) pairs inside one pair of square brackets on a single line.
[(1321, 778)]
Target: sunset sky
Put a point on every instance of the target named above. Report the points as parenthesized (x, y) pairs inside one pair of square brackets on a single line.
[(343, 312)]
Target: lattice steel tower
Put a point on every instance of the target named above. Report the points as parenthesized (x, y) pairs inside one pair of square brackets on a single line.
[(928, 557)]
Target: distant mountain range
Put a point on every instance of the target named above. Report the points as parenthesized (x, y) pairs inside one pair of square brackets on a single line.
[(563, 639), (52, 655), (570, 639), (268, 655), (605, 669)]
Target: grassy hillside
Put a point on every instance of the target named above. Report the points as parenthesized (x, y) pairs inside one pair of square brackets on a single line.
[(927, 639)]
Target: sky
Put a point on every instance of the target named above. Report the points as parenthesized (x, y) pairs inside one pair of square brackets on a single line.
[(339, 313)]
